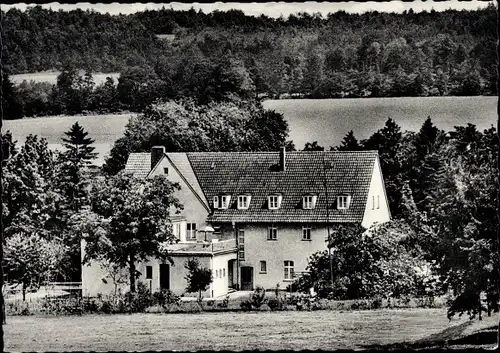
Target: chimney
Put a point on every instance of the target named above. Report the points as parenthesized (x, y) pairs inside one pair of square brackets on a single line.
[(282, 159), (156, 153)]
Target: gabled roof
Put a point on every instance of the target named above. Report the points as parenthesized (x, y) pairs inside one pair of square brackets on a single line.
[(139, 164), (257, 173)]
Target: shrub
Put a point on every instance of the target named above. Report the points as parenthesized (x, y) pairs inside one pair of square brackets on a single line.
[(376, 303), (276, 303), (258, 297), (140, 300), (246, 305), (165, 298)]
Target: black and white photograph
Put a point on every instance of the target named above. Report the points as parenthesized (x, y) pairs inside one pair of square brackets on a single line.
[(250, 176)]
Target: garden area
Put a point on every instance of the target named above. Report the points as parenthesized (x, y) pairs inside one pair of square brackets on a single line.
[(331, 329)]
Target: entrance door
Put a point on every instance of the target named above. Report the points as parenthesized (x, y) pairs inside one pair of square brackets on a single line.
[(164, 276), (247, 278)]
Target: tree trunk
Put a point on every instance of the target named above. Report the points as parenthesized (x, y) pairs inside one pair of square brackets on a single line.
[(132, 274), (24, 292)]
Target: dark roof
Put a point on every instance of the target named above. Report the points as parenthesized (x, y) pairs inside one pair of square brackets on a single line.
[(139, 164), (256, 173)]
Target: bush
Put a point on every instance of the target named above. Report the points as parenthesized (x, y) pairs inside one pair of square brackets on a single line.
[(246, 305), (165, 298), (376, 303), (276, 303), (140, 300), (258, 297)]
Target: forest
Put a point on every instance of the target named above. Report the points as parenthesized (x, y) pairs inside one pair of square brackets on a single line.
[(175, 54)]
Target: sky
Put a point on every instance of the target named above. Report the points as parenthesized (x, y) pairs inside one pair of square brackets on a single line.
[(271, 9)]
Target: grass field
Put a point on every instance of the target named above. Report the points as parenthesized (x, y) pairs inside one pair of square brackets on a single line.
[(51, 77), (233, 331)]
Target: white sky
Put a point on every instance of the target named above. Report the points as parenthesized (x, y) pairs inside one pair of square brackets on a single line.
[(272, 9)]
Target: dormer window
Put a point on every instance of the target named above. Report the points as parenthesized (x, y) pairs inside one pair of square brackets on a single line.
[(343, 202), (309, 202), (243, 202), (274, 201), (221, 202), (224, 201)]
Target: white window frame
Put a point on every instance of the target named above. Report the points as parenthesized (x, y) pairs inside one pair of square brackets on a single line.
[(260, 266), (216, 202), (274, 202), (225, 200), (289, 271), (343, 202), (306, 230), (191, 231), (272, 233), (243, 202), (308, 202)]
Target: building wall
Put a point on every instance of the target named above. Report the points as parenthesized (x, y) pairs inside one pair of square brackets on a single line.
[(220, 263), (377, 206), (178, 273), (289, 246), (194, 211)]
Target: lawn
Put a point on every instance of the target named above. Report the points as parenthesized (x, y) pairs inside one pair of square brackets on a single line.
[(230, 331)]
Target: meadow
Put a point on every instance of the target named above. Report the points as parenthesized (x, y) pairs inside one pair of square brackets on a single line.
[(325, 330), (324, 120)]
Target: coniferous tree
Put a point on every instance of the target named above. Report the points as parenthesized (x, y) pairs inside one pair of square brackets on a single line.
[(349, 143)]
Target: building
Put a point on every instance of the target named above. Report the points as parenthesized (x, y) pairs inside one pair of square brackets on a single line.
[(269, 211)]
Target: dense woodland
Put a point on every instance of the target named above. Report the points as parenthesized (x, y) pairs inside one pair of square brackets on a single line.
[(342, 55)]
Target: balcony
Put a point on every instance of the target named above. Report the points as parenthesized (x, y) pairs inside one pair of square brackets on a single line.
[(214, 246)]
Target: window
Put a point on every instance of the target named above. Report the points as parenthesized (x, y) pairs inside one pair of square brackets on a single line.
[(241, 244), (343, 202), (243, 202), (191, 230), (224, 201), (308, 202), (216, 202), (272, 233), (289, 274), (306, 233), (223, 272), (263, 267), (177, 230), (274, 202), (373, 202), (149, 272), (378, 202), (165, 171)]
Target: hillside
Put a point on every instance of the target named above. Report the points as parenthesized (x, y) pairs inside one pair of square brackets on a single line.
[(373, 54)]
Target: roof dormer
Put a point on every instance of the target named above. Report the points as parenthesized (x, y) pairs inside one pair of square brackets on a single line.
[(274, 201), (309, 201), (221, 202), (244, 201), (343, 201)]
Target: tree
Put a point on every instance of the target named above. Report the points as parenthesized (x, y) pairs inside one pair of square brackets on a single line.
[(198, 277), (380, 261), (186, 126), (10, 104), (313, 146), (29, 259), (349, 143), (463, 211), (387, 142), (72, 177), (28, 197), (129, 221)]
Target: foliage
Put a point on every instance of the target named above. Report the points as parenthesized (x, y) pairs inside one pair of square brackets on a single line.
[(313, 146), (374, 262), (128, 221), (198, 277), (258, 297), (166, 298), (218, 57), (31, 260), (187, 126)]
